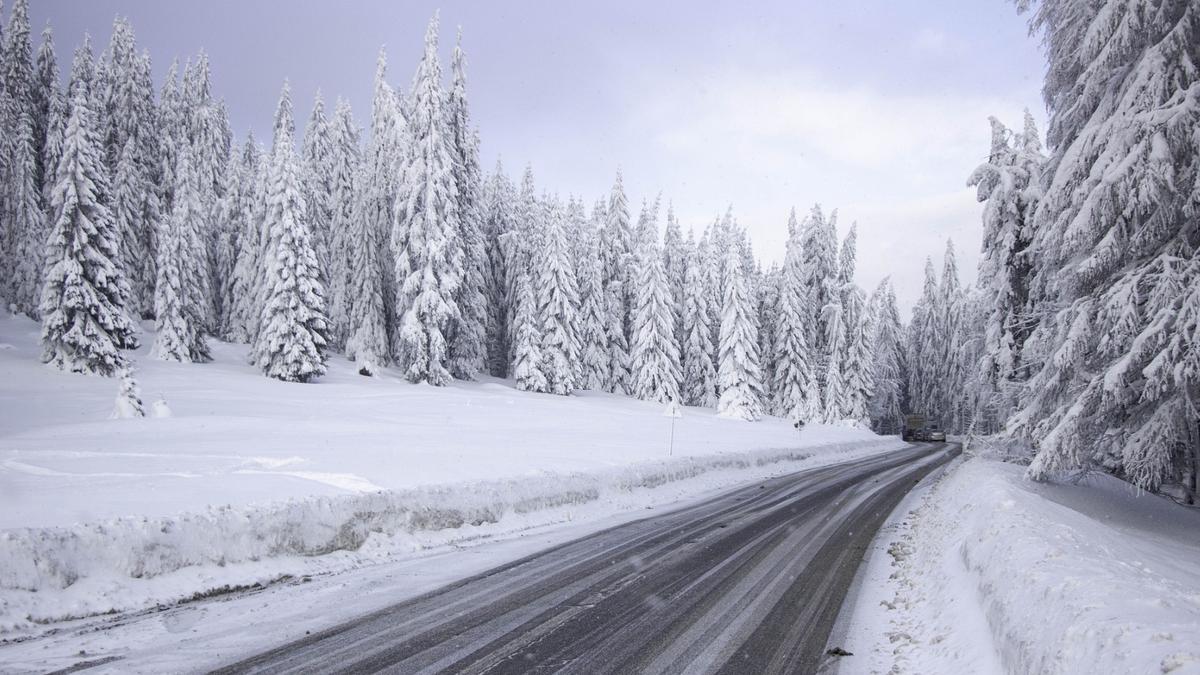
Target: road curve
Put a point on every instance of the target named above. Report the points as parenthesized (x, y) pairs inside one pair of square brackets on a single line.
[(748, 582)]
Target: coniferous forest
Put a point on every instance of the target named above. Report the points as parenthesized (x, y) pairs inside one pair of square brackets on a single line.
[(378, 235)]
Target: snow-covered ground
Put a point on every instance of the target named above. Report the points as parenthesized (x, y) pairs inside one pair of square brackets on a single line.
[(251, 479), (982, 571)]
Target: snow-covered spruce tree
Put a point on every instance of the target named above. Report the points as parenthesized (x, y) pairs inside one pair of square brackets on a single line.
[(232, 217), (519, 246), (207, 129), (580, 234), (558, 305), (291, 339), (949, 339), (428, 252), (593, 318), (1009, 185), (317, 156), (172, 130), (528, 361), (46, 98), (819, 243), (128, 190), (885, 404), (84, 324), (835, 348), (699, 375), (178, 296), (129, 397), (675, 257), (16, 157), (767, 304), (797, 395), (498, 222), (921, 349), (859, 366), (26, 219), (247, 272), (1115, 242), (739, 371), (654, 358), (345, 162), (377, 191), (366, 337), (616, 254), (468, 348), (857, 382)]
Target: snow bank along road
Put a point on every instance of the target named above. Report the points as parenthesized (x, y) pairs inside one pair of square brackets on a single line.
[(751, 581)]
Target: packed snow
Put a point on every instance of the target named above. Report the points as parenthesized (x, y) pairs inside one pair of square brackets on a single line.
[(983, 571), (250, 479)]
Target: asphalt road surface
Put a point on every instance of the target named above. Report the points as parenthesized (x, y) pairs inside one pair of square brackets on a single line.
[(748, 582)]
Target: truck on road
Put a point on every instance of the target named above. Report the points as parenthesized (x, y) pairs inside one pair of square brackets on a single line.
[(918, 428), (913, 426)]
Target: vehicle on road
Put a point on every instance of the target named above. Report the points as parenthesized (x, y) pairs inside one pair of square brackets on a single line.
[(919, 429), (913, 426)]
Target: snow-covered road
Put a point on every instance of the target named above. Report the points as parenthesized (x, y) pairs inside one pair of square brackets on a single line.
[(748, 582)]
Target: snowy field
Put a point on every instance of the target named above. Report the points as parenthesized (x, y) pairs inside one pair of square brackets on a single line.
[(251, 479), (986, 572)]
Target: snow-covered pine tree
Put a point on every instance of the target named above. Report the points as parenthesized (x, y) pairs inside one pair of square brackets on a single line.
[(498, 222), (468, 348), (859, 365), (128, 187), (26, 218), (247, 273), (766, 287), (675, 259), (377, 191), (949, 339), (558, 304), (317, 156), (835, 348), (616, 253), (1115, 242), (233, 224), (593, 318), (207, 131), (698, 372), (528, 361), (819, 243), (654, 358), (887, 346), (126, 99), (921, 350), (428, 252), (84, 324), (345, 162), (291, 340), (366, 337), (172, 130), (797, 394), (16, 157), (857, 381), (739, 371), (179, 301), (519, 247), (1009, 184), (129, 397), (46, 98)]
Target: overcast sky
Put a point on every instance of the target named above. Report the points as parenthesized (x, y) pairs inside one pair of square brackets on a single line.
[(876, 108)]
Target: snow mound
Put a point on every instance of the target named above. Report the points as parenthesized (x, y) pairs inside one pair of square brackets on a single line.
[(55, 573), (993, 573)]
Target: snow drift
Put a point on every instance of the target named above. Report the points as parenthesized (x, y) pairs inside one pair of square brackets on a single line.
[(994, 573), (54, 573)]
